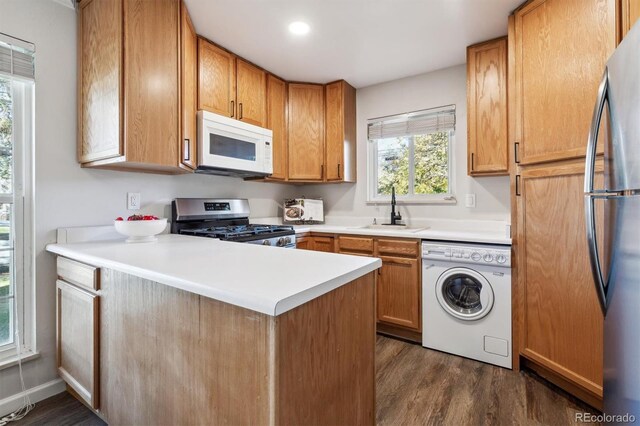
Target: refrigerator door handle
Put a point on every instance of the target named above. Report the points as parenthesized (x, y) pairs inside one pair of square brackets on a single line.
[(594, 256), (589, 204), (592, 141)]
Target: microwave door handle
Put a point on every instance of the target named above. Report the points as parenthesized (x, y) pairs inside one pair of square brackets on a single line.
[(590, 197)]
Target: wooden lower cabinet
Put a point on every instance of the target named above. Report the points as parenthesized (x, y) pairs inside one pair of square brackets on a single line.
[(399, 285), (398, 292), (561, 329), (77, 338)]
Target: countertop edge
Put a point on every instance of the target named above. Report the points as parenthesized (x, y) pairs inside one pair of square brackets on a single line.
[(427, 234), (258, 305)]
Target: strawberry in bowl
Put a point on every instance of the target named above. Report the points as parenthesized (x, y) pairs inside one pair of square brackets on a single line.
[(140, 228)]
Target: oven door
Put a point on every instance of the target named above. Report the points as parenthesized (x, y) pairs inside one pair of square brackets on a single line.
[(227, 144), (464, 294)]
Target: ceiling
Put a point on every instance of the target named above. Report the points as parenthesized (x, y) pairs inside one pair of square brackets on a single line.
[(363, 41)]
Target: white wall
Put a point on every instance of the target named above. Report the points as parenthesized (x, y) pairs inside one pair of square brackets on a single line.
[(438, 88), (67, 195)]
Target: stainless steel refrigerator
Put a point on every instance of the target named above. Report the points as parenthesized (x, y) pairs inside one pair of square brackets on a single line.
[(616, 260)]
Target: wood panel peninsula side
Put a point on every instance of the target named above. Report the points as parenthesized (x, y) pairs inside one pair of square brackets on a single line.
[(170, 351)]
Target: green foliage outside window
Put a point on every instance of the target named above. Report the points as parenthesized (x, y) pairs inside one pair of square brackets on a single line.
[(430, 164), (5, 136)]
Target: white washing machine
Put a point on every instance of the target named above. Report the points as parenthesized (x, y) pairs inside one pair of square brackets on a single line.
[(466, 300)]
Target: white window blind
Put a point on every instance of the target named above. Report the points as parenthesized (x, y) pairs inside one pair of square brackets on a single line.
[(442, 119), (16, 58)]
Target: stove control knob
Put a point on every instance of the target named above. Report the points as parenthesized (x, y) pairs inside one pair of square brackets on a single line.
[(488, 257), (287, 240), (475, 256), (280, 242), (501, 258), (266, 243)]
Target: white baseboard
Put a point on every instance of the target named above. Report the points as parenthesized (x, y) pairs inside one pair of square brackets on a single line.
[(36, 393)]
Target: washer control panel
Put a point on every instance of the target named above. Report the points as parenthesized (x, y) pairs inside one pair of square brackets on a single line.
[(481, 253)]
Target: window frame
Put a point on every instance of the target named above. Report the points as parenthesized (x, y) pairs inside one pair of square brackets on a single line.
[(22, 223), (372, 178)]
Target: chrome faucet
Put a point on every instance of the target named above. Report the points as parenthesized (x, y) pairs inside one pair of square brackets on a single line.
[(395, 217)]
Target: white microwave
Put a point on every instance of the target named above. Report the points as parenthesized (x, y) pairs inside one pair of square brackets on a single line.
[(233, 148)]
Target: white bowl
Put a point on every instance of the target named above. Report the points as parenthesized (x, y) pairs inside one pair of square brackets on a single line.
[(140, 231)]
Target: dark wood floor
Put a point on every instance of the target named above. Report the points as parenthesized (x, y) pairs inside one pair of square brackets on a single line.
[(415, 386)]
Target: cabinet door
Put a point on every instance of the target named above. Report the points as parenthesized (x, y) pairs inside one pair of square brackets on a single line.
[(561, 320), (561, 47), (630, 14), (487, 108), (77, 340), (325, 244), (99, 80), (277, 121), (152, 82), (189, 63), (398, 292), (306, 132), (303, 243), (216, 79), (251, 93), (340, 132)]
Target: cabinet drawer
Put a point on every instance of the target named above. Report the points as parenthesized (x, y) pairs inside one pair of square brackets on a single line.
[(78, 273), (355, 244), (408, 248), (77, 334)]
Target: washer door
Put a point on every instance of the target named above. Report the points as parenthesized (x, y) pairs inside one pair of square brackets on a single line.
[(464, 294)]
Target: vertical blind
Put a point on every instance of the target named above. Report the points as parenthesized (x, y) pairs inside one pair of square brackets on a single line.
[(440, 119), (16, 57)]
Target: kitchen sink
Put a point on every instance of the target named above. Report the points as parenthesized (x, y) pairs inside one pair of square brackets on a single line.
[(392, 228)]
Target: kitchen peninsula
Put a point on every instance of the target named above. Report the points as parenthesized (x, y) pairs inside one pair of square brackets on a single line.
[(200, 331)]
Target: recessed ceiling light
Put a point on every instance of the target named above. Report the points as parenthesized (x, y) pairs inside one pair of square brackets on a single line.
[(299, 28)]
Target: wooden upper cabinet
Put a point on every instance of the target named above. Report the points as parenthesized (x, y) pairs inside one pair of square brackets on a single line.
[(487, 141), (306, 132), (216, 79), (277, 122), (340, 132), (630, 13), (251, 87), (100, 73), (129, 85), (189, 88), (561, 47)]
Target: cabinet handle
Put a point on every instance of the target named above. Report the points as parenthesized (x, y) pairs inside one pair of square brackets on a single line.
[(186, 150), (472, 161), (518, 186), (233, 109), (516, 148), (240, 111), (338, 170)]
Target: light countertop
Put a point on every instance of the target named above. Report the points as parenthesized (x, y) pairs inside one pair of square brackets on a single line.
[(271, 280), (476, 231)]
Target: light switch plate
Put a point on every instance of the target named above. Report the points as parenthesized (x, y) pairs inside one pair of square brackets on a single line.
[(470, 200), (133, 200)]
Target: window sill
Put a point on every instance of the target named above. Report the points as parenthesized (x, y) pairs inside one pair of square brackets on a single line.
[(13, 360), (448, 200)]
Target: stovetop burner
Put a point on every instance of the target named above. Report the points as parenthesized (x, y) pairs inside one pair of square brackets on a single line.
[(226, 219), (237, 232)]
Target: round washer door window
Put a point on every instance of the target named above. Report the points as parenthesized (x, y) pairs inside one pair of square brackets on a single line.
[(464, 294)]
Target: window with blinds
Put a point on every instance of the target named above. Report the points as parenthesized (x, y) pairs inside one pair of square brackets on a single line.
[(17, 74), (412, 153)]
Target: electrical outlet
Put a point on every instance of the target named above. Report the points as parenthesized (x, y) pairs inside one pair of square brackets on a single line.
[(470, 200), (133, 200)]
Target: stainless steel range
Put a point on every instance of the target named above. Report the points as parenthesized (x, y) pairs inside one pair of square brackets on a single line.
[(228, 220)]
